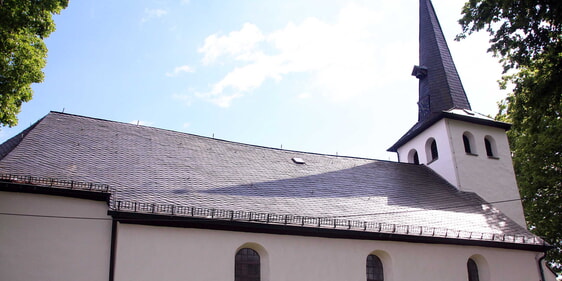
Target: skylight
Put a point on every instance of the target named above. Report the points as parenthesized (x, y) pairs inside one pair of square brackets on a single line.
[(298, 160)]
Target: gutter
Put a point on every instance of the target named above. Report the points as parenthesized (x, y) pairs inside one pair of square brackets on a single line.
[(325, 232)]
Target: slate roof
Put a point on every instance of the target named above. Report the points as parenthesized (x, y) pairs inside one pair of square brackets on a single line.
[(156, 166), (441, 89)]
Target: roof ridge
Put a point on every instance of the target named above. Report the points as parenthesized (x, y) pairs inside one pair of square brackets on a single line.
[(220, 140)]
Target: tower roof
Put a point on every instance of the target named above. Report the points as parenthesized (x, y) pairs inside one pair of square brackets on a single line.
[(441, 94), (440, 87)]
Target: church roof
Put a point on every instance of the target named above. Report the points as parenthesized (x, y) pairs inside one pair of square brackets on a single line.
[(157, 171), (440, 86)]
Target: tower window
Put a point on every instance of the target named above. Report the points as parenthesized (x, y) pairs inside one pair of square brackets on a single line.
[(247, 265), (490, 145), (434, 152), (431, 150), (468, 141), (489, 151), (472, 270), (374, 269), (413, 157)]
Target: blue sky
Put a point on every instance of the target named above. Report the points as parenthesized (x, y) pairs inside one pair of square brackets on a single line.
[(309, 75)]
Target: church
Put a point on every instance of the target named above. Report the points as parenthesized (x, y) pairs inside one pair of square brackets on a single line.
[(83, 198)]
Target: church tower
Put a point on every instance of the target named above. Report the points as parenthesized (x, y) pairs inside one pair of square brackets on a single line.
[(469, 150)]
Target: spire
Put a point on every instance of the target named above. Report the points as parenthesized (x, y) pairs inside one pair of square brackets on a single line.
[(440, 86)]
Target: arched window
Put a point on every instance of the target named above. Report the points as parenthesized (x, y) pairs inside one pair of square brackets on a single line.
[(468, 141), (247, 265), (374, 268), (431, 150), (472, 270), (434, 152), (413, 157), (490, 146)]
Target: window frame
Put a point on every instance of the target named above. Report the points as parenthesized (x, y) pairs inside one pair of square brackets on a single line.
[(247, 265), (491, 149), (469, 144), (374, 268), (413, 157), (431, 150), (472, 270)]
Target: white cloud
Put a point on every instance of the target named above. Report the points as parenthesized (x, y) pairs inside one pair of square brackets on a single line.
[(240, 44), (153, 13), (186, 125), (180, 69), (221, 100), (339, 57)]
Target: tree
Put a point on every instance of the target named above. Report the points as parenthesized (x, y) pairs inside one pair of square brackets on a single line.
[(527, 37), (23, 26)]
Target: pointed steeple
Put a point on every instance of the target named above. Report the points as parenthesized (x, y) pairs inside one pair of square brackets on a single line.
[(440, 86), (441, 94), (468, 149)]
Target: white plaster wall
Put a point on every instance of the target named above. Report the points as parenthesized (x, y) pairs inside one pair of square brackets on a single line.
[(165, 253), (491, 178), (442, 165), (53, 248)]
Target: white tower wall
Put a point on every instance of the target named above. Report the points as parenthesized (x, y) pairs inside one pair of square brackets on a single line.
[(491, 177)]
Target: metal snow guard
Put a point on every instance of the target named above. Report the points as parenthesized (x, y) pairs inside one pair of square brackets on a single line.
[(320, 222), (55, 183)]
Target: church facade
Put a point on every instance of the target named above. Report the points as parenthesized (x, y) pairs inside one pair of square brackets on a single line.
[(89, 199)]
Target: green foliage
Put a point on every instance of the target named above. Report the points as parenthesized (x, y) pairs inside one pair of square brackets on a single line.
[(23, 26), (527, 36), (520, 30), (536, 142)]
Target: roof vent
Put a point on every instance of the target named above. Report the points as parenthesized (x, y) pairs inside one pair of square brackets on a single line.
[(298, 160)]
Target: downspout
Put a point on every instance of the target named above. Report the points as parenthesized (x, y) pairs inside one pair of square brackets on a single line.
[(112, 249), (541, 270)]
